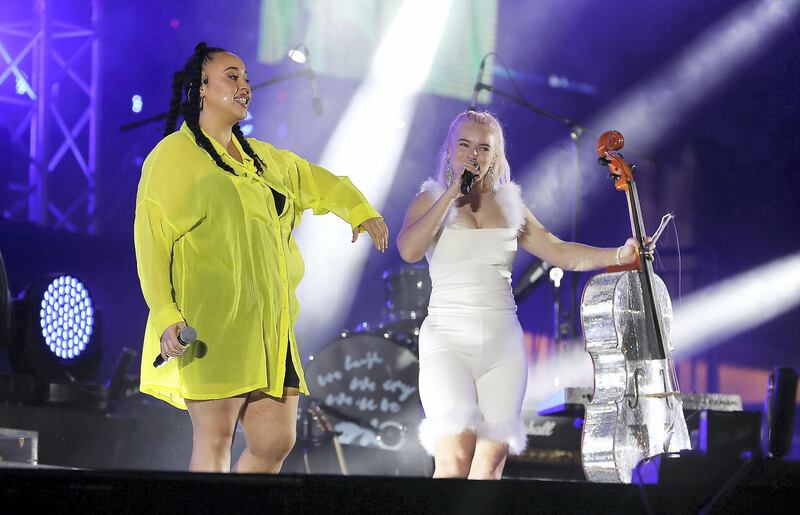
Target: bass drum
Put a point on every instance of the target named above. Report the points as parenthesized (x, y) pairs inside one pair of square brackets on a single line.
[(408, 291), (366, 385)]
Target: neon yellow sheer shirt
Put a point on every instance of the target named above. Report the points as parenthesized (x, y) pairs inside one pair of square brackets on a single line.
[(212, 251)]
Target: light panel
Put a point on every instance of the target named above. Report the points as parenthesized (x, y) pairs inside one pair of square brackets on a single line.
[(66, 317)]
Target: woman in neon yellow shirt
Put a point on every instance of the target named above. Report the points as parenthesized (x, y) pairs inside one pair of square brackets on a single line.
[(214, 248)]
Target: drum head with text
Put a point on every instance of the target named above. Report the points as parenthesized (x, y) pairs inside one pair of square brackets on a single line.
[(366, 385)]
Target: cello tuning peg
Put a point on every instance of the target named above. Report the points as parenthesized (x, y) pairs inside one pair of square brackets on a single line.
[(602, 161)]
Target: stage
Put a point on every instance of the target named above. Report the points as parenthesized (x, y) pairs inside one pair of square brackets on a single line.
[(706, 96), (774, 488), (130, 458)]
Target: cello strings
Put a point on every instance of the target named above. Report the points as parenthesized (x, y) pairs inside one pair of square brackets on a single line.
[(680, 263)]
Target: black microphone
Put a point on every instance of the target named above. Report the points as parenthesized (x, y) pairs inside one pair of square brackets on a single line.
[(478, 84), (186, 336), (316, 102), (467, 179)]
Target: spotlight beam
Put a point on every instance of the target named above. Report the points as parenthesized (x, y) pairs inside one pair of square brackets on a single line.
[(647, 112), (367, 145), (736, 305), (703, 320)]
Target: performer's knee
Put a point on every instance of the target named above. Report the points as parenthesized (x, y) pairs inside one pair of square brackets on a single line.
[(218, 437), (275, 446)]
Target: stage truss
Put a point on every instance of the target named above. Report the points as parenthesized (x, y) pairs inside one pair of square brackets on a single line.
[(49, 97)]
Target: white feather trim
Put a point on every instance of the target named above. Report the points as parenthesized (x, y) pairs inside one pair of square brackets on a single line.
[(508, 197), (432, 186), (458, 421), (511, 431)]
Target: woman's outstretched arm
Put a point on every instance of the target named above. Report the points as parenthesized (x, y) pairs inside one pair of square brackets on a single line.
[(568, 255)]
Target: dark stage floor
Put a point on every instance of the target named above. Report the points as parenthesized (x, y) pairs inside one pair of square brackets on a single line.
[(156, 492)]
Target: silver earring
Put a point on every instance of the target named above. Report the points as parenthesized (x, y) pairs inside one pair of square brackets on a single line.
[(493, 186), (449, 174), (449, 169)]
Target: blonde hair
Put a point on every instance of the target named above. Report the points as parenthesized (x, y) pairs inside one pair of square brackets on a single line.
[(501, 167)]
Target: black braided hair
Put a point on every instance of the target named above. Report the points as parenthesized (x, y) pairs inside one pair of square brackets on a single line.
[(175, 103), (237, 131), (186, 82)]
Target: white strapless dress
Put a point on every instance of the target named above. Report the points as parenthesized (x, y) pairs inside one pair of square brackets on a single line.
[(473, 369)]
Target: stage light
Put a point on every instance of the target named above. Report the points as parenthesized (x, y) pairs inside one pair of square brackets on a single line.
[(299, 53), (55, 326), (136, 104), (21, 86), (375, 127), (556, 274), (66, 317), (247, 129), (530, 279)]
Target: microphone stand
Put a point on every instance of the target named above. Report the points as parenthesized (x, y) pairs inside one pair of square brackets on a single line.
[(557, 308), (558, 330), (576, 130), (305, 437), (306, 71)]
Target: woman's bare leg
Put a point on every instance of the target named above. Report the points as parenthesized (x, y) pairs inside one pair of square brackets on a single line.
[(213, 427), (489, 460), (453, 455), (270, 430)]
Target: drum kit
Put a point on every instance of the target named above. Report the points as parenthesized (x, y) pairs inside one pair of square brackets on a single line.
[(363, 386)]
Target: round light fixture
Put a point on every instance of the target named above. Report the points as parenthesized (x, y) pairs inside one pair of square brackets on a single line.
[(55, 326), (299, 53)]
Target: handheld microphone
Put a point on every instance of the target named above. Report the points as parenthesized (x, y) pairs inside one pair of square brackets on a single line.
[(467, 179), (186, 336), (316, 102), (478, 84)]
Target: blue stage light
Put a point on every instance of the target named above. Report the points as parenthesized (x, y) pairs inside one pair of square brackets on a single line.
[(136, 104), (55, 330), (64, 295), (21, 87)]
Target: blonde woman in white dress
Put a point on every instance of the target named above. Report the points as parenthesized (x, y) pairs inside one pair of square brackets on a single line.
[(473, 370)]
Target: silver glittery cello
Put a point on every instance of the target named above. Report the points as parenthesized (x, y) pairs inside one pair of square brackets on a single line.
[(636, 411)]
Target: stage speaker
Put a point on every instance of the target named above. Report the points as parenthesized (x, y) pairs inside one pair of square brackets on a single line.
[(780, 407), (120, 384)]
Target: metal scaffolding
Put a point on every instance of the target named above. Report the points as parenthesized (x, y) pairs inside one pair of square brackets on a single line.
[(49, 98)]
